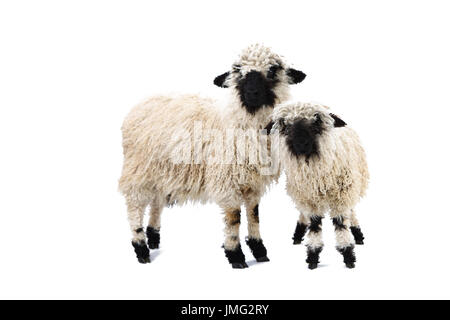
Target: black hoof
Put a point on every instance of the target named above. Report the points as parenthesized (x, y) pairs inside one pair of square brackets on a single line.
[(236, 257), (350, 265), (298, 241), (144, 260), (239, 265), (313, 257), (258, 249), (153, 245), (349, 256), (312, 266), (142, 252), (262, 259), (359, 242)]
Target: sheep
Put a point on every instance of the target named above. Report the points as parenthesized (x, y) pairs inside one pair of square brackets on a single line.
[(167, 125), (326, 169)]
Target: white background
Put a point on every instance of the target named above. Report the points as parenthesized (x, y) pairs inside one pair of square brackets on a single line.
[(71, 70)]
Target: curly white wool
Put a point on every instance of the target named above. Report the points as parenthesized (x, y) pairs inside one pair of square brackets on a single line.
[(150, 177), (333, 180), (338, 177)]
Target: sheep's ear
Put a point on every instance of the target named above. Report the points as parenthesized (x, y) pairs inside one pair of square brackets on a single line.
[(338, 122), (269, 127), (295, 76), (220, 80)]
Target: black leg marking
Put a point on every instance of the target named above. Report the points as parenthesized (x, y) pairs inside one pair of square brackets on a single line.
[(357, 234), (235, 218), (313, 257), (256, 213), (349, 256), (299, 233), (142, 252), (316, 224), (339, 224), (153, 238), (258, 249), (236, 258), (139, 230), (313, 253)]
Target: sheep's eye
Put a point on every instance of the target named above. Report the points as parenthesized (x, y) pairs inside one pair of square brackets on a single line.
[(317, 118), (272, 72), (316, 126), (236, 68)]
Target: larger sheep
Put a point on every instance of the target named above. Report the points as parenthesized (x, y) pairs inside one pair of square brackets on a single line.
[(326, 169), (165, 125)]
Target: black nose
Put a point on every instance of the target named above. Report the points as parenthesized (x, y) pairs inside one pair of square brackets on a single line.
[(253, 84), (302, 146), (302, 141), (252, 92)]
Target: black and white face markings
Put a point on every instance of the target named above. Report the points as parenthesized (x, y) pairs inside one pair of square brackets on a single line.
[(302, 135), (256, 89)]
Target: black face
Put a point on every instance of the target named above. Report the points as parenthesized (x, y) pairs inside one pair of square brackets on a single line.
[(256, 91), (301, 137)]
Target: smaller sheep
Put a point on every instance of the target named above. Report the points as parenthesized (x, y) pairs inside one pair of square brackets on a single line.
[(326, 170)]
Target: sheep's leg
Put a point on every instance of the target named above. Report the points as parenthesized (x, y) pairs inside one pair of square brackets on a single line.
[(300, 230), (315, 243), (154, 224), (355, 228), (232, 245), (254, 240), (344, 239), (135, 217)]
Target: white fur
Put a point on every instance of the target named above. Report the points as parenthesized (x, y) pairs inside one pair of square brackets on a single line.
[(338, 177), (334, 180), (149, 175)]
